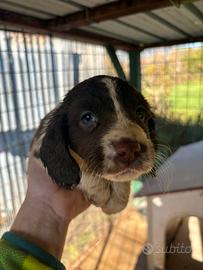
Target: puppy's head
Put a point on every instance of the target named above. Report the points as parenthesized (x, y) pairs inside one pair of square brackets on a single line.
[(109, 128)]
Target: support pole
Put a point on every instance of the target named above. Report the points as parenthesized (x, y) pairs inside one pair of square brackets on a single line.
[(76, 64), (115, 62), (54, 68), (135, 69)]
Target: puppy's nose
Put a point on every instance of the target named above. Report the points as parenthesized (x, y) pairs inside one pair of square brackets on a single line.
[(127, 150)]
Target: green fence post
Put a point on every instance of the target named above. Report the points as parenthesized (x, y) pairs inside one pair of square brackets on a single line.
[(135, 69), (115, 62)]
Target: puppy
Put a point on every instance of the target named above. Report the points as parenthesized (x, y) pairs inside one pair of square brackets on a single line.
[(98, 139)]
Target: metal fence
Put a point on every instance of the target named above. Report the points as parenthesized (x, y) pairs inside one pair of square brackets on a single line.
[(172, 80), (37, 71)]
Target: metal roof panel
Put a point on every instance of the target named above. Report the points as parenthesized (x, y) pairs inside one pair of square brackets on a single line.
[(53, 7), (181, 17), (24, 11), (96, 30), (199, 5), (92, 3), (146, 23), (125, 31), (160, 25)]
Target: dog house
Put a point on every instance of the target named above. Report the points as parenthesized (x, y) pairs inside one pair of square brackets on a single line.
[(46, 47)]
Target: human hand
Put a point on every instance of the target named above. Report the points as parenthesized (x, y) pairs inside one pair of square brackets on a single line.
[(45, 214), (67, 204)]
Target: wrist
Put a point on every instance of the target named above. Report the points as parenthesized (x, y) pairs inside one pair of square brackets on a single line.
[(38, 223)]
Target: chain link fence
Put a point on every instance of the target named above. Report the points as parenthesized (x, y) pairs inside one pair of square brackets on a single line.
[(172, 80)]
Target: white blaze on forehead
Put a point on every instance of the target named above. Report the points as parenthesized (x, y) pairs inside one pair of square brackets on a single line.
[(123, 127), (111, 86)]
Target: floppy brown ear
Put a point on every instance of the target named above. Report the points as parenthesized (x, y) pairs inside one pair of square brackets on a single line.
[(55, 155)]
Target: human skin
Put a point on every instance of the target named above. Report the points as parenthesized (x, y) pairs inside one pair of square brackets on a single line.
[(47, 210)]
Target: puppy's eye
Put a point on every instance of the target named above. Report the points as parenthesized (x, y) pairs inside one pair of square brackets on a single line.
[(88, 119), (141, 113)]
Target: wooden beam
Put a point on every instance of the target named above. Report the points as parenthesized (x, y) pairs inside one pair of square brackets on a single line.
[(9, 18), (115, 61), (39, 26), (106, 12)]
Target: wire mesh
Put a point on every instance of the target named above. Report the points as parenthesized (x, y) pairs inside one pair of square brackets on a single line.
[(172, 77), (172, 80), (36, 72)]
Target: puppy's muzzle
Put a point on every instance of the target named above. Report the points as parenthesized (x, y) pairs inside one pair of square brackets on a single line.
[(128, 151)]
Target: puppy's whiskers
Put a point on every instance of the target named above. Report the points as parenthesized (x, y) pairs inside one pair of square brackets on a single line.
[(163, 166), (165, 147)]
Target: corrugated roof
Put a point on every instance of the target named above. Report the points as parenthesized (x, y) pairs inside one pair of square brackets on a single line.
[(170, 23), (92, 3), (24, 11), (124, 31), (150, 27), (39, 7), (183, 19)]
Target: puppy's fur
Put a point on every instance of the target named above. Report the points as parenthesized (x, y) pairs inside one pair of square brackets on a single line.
[(79, 142)]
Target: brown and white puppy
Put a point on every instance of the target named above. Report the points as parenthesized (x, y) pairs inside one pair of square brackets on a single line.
[(98, 139)]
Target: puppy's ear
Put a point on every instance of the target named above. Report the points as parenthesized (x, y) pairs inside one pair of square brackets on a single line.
[(55, 155)]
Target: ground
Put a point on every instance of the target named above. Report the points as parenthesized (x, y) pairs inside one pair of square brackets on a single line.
[(119, 248), (120, 245)]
